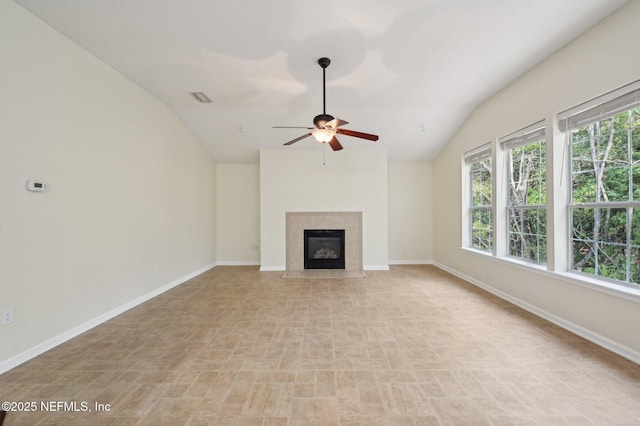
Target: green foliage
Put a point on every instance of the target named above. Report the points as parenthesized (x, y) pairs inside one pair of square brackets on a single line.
[(482, 229), (605, 199), (527, 195), (528, 234), (481, 183), (528, 175), (605, 164), (481, 218)]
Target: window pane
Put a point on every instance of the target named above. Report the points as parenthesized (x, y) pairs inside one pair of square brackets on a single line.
[(634, 260), (543, 249), (635, 266), (527, 193), (527, 234), (603, 155), (584, 246), (635, 227), (606, 242), (613, 225), (481, 183), (583, 167), (616, 183), (583, 223), (480, 174), (527, 175), (605, 161), (515, 245), (635, 178), (481, 230), (612, 261), (583, 258), (635, 138)]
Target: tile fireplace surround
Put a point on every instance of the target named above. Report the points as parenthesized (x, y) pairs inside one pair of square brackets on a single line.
[(297, 222)]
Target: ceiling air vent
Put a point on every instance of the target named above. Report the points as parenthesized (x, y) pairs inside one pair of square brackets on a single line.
[(201, 97)]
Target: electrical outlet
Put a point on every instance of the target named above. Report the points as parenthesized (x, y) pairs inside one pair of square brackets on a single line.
[(7, 317)]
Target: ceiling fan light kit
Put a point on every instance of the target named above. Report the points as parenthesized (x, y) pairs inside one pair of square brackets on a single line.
[(323, 135), (327, 126)]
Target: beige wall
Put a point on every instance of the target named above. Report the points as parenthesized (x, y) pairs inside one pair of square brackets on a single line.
[(595, 63), (409, 200), (131, 205), (238, 218), (410, 213)]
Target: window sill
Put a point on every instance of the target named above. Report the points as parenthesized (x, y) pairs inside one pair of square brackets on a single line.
[(602, 286), (582, 280), (479, 252)]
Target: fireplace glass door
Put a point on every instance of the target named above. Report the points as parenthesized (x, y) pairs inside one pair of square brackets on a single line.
[(324, 249)]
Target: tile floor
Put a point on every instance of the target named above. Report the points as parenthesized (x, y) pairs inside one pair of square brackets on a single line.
[(412, 346)]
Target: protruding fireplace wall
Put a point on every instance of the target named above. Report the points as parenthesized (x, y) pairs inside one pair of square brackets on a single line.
[(297, 222), (301, 180)]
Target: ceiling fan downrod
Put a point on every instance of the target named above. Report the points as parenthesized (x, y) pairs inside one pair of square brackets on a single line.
[(320, 120), (324, 63)]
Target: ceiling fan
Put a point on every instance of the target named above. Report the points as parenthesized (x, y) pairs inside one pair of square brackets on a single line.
[(326, 126)]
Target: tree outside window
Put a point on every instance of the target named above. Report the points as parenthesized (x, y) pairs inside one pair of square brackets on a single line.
[(526, 206), (481, 203), (605, 197)]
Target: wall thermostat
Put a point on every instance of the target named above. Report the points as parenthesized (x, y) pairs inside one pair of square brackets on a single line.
[(36, 186)]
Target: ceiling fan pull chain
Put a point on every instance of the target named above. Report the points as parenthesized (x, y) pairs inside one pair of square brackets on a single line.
[(324, 153)]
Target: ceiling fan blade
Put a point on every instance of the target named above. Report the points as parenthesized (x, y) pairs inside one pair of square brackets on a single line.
[(334, 144), (298, 139), (335, 123), (292, 127), (357, 134)]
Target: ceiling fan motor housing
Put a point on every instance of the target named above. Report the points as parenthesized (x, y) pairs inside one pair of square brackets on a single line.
[(320, 120), (324, 62)]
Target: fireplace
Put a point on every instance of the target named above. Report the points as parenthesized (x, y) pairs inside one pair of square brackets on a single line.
[(350, 222), (324, 249)]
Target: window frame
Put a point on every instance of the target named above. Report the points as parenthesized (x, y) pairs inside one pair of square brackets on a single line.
[(559, 206), (471, 158), (532, 134), (597, 244)]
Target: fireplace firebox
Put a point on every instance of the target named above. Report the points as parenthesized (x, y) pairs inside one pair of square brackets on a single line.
[(324, 249)]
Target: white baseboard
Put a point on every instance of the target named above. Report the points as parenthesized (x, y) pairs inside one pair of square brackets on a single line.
[(238, 263), (272, 268), (366, 268), (41, 348), (376, 267), (283, 268), (411, 262), (596, 338)]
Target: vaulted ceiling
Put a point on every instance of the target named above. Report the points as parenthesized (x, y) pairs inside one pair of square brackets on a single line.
[(410, 71)]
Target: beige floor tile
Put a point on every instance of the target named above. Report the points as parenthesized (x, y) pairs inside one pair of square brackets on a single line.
[(411, 346)]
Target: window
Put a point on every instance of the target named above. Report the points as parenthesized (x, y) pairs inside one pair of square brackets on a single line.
[(605, 187), (480, 198), (526, 200), (593, 185)]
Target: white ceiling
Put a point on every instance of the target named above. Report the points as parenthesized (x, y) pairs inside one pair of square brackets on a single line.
[(410, 71)]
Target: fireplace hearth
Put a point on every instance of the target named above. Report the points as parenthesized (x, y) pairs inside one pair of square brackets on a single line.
[(324, 249)]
